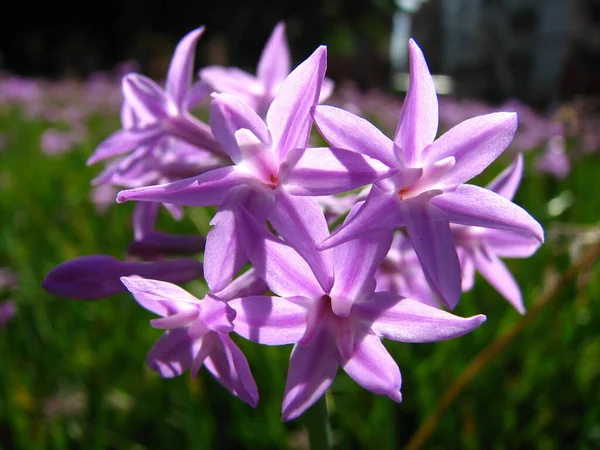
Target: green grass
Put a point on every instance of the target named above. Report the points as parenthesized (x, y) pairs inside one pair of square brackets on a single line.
[(542, 392)]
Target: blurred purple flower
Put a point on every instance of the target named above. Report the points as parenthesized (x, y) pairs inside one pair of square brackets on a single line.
[(8, 309), (554, 160)]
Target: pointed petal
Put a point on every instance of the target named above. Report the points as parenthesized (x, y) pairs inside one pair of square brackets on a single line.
[(175, 320), (301, 222), (282, 268), (247, 284), (228, 114), (467, 269), (507, 183), (231, 80), (474, 143), (199, 92), (210, 188), (205, 346), (289, 117), (269, 320), (325, 171), (429, 232), (144, 95), (172, 353), (274, 63), (94, 277), (224, 255), (123, 141), (380, 211), (356, 281), (498, 275), (342, 129), (507, 244), (473, 205), (229, 366), (419, 117), (406, 320), (372, 367), (164, 299), (312, 370), (179, 77), (144, 218)]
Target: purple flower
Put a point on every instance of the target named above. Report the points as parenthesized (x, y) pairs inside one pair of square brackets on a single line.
[(197, 334), (427, 192), (259, 91), (151, 113), (554, 160), (481, 248), (157, 244), (272, 166), (341, 326), (8, 309), (94, 277)]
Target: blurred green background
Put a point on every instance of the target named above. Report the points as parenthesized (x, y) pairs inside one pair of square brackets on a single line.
[(73, 374)]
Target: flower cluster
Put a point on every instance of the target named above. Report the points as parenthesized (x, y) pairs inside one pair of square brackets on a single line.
[(411, 231)]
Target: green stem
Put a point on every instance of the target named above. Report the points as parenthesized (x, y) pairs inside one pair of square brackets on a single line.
[(317, 423)]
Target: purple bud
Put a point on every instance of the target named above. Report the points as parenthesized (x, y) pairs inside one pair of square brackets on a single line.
[(157, 243), (94, 277)]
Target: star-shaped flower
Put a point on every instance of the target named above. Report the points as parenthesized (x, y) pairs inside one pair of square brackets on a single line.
[(481, 248), (197, 334), (341, 326), (427, 192)]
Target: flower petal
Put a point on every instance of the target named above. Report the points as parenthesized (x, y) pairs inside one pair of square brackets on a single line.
[(498, 275), (282, 268), (179, 77), (156, 244), (356, 281), (301, 222), (229, 366), (228, 114), (406, 320), (507, 183), (507, 244), (312, 370), (474, 144), (123, 141), (473, 205), (247, 284), (274, 63), (269, 320), (429, 232), (144, 95), (164, 299), (223, 255), (419, 117), (144, 219), (372, 367), (289, 117), (173, 353), (342, 129), (210, 188), (380, 211), (325, 171)]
